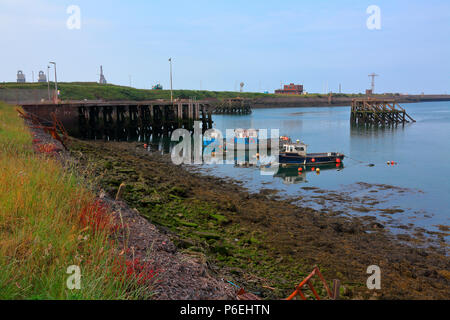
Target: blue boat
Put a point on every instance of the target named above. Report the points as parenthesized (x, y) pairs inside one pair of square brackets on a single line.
[(296, 154)]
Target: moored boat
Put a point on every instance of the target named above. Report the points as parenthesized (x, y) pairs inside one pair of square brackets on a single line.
[(296, 154)]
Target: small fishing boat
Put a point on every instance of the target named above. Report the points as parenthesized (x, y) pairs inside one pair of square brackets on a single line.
[(295, 153)]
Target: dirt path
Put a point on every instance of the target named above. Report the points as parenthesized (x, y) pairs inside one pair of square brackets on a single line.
[(263, 244)]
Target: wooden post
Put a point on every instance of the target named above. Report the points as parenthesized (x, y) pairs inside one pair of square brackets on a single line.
[(197, 111), (191, 116), (209, 120), (152, 117), (336, 287), (180, 111)]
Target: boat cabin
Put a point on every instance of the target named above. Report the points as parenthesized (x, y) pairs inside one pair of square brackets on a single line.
[(297, 148)]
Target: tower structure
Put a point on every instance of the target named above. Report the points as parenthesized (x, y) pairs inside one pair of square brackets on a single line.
[(102, 77), (373, 75)]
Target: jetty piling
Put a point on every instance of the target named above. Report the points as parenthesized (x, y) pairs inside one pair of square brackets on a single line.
[(125, 120), (233, 106), (378, 112)]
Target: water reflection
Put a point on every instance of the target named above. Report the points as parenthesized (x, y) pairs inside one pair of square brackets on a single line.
[(298, 174), (358, 130)]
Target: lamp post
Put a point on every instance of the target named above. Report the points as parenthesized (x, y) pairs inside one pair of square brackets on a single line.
[(171, 92), (48, 82), (56, 82)]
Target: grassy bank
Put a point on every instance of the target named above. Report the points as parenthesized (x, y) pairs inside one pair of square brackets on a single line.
[(49, 221), (94, 91)]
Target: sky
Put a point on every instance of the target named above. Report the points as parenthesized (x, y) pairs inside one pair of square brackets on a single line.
[(215, 45)]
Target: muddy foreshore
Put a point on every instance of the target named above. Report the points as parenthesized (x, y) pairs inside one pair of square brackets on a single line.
[(262, 243)]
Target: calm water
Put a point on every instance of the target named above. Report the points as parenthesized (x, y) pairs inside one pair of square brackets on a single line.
[(421, 149)]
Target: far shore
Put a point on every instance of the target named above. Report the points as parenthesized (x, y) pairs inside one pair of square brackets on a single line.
[(300, 101), (15, 93)]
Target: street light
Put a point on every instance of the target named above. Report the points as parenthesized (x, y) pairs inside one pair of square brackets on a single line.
[(171, 93), (56, 82)]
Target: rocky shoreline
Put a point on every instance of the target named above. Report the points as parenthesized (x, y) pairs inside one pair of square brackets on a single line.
[(178, 276), (264, 244)]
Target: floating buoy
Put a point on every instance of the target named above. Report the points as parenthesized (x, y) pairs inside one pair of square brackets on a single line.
[(313, 160), (313, 169), (300, 169)]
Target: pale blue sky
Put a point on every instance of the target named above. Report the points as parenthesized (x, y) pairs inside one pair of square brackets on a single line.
[(217, 44)]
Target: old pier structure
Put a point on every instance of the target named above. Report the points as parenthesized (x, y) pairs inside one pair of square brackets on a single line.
[(378, 112), (232, 106), (125, 120)]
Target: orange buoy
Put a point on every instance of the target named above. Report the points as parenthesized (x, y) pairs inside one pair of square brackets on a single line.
[(313, 169), (313, 160), (300, 169)]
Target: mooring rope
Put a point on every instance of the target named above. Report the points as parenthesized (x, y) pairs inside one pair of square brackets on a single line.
[(360, 161)]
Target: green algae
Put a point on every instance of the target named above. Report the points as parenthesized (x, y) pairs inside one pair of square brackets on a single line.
[(239, 241)]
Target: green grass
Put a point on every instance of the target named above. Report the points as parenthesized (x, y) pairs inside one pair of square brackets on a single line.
[(94, 91), (41, 233)]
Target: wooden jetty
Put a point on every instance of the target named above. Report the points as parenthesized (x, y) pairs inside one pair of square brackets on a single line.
[(124, 120), (232, 106), (382, 112)]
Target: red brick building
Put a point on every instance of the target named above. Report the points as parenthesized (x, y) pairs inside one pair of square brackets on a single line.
[(291, 89)]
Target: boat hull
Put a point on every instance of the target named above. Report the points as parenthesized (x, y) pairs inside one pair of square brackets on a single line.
[(311, 159)]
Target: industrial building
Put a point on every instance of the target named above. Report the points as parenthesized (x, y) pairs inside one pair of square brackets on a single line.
[(20, 77), (291, 89), (42, 77)]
